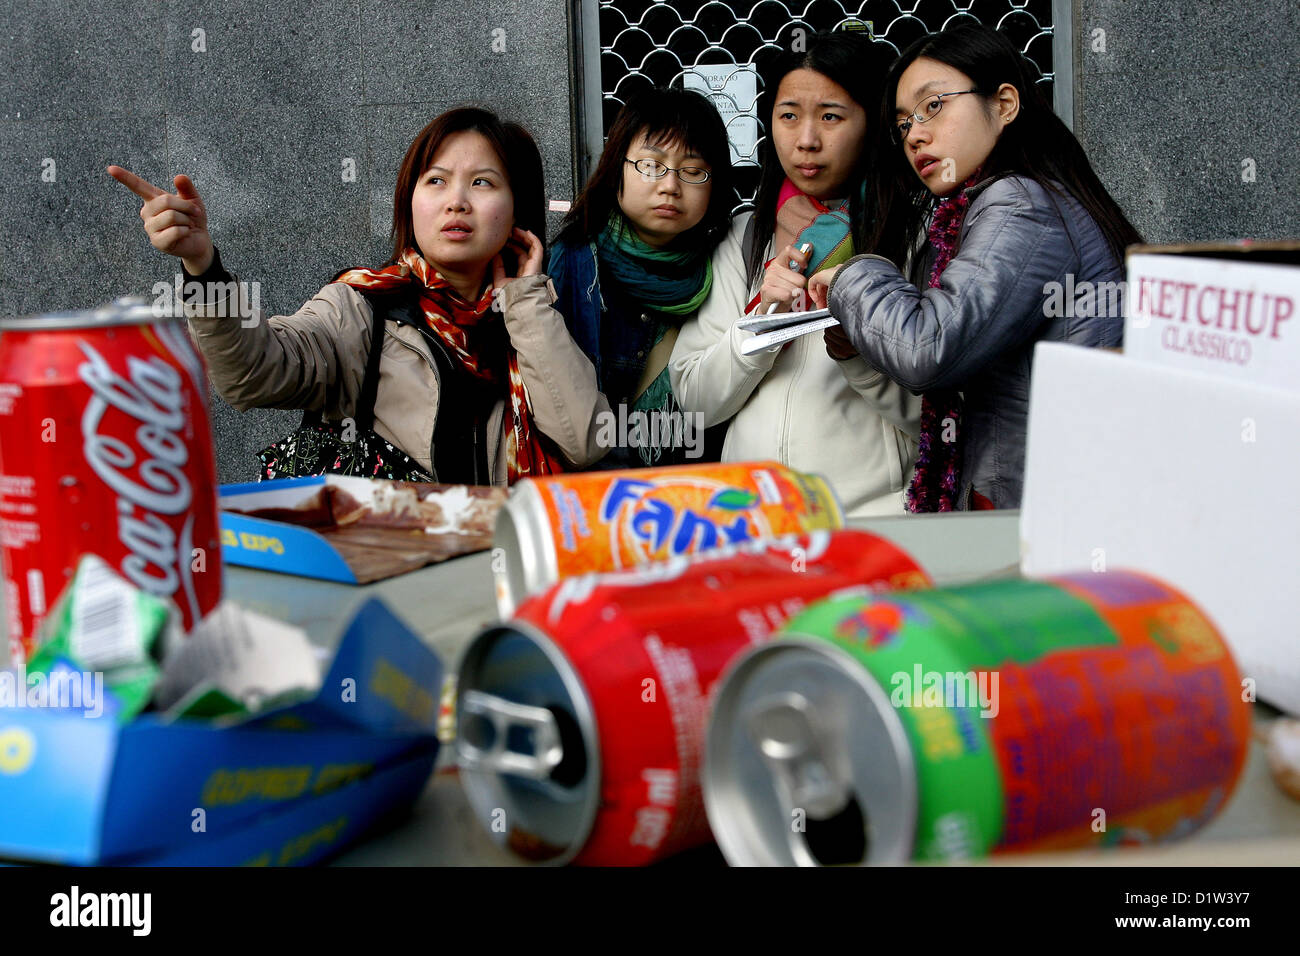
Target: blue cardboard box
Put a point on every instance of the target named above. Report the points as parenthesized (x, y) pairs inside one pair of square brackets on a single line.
[(276, 545), (82, 790)]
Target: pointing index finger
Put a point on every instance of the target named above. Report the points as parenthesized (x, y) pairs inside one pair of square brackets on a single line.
[(141, 187)]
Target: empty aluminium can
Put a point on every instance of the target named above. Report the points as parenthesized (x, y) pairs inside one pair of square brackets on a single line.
[(565, 525), (1084, 709), (581, 720)]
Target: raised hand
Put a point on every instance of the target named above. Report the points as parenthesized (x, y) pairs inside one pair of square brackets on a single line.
[(177, 223), (820, 284), (528, 250), (784, 280)]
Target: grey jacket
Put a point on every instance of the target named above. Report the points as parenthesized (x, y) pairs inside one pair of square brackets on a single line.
[(1004, 290)]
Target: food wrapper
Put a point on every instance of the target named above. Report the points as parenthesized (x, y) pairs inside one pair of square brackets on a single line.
[(106, 630), (237, 663)]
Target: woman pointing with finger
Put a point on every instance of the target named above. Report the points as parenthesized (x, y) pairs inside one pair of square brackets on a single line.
[(446, 364)]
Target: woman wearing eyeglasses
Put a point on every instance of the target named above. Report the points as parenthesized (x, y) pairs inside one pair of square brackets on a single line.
[(796, 403), (1012, 207), (631, 264)]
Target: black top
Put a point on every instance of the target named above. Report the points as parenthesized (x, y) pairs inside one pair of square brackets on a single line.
[(464, 405)]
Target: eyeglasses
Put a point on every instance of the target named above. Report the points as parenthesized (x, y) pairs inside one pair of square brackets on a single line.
[(653, 169), (925, 111)]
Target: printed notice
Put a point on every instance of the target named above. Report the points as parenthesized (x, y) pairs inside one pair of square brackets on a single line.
[(733, 90)]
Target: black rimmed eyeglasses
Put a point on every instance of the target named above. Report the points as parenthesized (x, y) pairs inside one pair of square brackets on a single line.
[(925, 111), (653, 169)]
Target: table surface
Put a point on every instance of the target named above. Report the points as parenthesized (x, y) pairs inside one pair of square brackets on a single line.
[(447, 604)]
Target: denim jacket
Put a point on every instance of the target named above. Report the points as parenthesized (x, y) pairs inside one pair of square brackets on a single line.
[(613, 332)]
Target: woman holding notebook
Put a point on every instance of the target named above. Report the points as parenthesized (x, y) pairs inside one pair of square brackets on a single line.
[(795, 403)]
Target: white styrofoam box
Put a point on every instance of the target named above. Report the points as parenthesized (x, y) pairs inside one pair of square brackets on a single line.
[(1186, 476), (1238, 318)]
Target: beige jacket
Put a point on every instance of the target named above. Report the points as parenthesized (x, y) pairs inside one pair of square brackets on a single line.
[(315, 359)]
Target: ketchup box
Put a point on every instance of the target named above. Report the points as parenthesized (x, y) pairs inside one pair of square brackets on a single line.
[(289, 786), (1186, 475), (1226, 309)]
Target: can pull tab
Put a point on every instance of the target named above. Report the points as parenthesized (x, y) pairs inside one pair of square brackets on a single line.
[(505, 720), (793, 742)]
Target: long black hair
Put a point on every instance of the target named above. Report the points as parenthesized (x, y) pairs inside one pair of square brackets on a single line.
[(1036, 144), (859, 65), (660, 115)]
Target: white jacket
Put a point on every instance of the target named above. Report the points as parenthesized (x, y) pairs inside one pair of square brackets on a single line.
[(842, 420)]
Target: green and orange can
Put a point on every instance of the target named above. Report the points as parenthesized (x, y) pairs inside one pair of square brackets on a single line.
[(1014, 715)]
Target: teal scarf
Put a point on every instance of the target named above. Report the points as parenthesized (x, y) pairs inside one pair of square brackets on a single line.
[(675, 282)]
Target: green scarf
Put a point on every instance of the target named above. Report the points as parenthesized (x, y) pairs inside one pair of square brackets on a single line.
[(673, 281)]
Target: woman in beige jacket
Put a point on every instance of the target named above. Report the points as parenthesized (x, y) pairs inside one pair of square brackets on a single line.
[(479, 381)]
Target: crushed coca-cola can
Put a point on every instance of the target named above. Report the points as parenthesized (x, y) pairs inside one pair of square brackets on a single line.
[(105, 448)]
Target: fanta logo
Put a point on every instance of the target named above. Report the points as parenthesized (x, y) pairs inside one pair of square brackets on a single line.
[(661, 519), (733, 499), (875, 625)]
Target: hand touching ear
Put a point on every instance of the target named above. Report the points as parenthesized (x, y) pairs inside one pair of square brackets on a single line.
[(528, 250)]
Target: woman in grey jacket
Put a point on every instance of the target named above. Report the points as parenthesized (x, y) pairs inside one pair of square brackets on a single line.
[(1019, 209)]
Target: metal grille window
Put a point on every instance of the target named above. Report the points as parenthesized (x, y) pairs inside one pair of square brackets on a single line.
[(719, 47)]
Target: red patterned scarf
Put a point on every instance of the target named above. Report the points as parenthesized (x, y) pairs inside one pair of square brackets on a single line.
[(937, 478), (472, 335)]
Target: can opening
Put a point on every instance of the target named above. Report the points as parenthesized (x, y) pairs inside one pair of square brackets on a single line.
[(478, 730), (536, 758), (805, 750), (572, 768), (839, 839)]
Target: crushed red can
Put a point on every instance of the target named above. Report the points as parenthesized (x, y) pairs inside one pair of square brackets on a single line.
[(581, 720), (105, 448)]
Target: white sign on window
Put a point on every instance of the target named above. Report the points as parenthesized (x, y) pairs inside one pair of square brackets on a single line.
[(733, 90)]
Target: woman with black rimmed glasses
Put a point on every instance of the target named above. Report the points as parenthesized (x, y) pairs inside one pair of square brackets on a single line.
[(631, 264), (983, 176)]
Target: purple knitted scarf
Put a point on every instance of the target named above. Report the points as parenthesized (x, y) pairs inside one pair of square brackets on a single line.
[(938, 458)]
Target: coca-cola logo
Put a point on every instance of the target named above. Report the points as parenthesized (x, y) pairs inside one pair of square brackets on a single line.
[(149, 477)]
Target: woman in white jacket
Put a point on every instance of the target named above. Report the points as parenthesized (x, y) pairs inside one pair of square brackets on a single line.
[(813, 403)]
